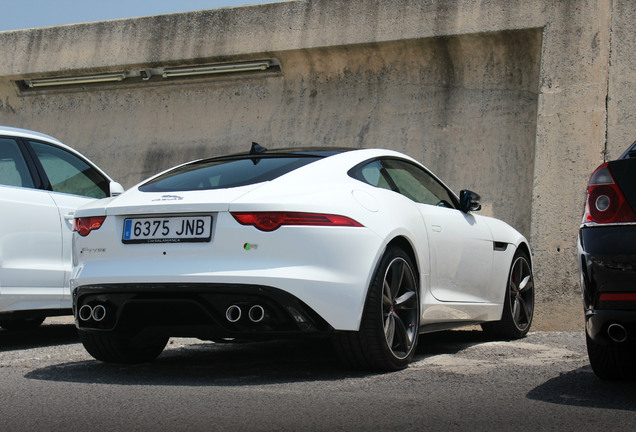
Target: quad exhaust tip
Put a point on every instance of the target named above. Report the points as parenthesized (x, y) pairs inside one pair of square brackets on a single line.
[(97, 313), (255, 313), (233, 313), (85, 313)]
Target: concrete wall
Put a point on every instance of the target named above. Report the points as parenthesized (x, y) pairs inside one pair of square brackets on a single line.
[(621, 95), (513, 99)]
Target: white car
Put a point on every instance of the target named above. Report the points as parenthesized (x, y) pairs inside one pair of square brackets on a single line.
[(42, 182), (366, 246)]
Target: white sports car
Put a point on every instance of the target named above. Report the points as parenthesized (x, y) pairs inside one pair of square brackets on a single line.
[(367, 246)]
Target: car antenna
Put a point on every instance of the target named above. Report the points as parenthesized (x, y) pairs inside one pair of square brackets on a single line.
[(257, 148)]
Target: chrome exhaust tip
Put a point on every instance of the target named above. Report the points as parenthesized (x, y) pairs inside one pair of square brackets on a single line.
[(256, 313), (85, 313), (99, 313), (617, 332), (233, 313)]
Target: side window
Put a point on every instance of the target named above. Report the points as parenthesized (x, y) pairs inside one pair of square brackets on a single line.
[(417, 184), (375, 175), (13, 167), (404, 178), (69, 174)]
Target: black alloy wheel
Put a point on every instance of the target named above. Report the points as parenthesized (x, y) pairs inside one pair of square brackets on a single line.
[(390, 322), (518, 306)]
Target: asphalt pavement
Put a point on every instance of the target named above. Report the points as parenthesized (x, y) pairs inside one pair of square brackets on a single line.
[(459, 380)]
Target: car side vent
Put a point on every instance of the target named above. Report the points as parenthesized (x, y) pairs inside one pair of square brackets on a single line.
[(499, 246)]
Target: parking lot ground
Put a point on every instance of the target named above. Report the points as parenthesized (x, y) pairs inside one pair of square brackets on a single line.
[(459, 380)]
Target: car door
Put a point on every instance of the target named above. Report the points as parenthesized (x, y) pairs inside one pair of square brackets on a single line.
[(73, 182), (461, 251), (30, 234), (460, 244)]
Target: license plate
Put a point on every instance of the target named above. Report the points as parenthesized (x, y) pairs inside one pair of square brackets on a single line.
[(172, 229)]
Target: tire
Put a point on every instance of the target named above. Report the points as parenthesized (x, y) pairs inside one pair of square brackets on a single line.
[(389, 327), (518, 304), (613, 360), (114, 348), (22, 324)]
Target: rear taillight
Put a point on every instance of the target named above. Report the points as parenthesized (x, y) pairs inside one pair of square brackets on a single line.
[(608, 297), (270, 221), (84, 225), (605, 202)]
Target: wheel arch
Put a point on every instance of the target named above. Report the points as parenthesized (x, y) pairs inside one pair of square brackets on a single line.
[(512, 325), (370, 347), (523, 246), (404, 244)]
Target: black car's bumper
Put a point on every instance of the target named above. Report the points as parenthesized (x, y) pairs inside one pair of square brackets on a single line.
[(620, 324), (206, 311), (607, 260)]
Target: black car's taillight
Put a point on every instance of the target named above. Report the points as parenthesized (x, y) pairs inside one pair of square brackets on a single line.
[(605, 202)]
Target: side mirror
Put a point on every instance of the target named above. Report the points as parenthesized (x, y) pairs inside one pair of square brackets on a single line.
[(469, 201), (116, 189)]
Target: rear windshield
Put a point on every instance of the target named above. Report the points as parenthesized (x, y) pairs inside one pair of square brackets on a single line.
[(225, 173)]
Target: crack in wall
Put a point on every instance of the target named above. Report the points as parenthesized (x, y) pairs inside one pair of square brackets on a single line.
[(607, 80)]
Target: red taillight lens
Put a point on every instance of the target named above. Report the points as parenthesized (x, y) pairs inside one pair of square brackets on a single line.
[(264, 221), (617, 297), (270, 221), (605, 202), (84, 225)]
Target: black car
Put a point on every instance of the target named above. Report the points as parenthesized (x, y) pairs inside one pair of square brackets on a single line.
[(607, 262)]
